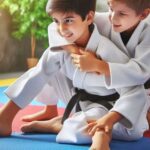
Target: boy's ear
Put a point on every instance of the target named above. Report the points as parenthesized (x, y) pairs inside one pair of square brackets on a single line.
[(90, 17), (145, 13)]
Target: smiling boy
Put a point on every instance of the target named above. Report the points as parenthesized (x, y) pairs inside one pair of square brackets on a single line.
[(93, 83), (74, 22)]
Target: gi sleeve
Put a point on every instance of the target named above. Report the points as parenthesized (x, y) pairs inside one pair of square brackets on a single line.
[(131, 104), (31, 83)]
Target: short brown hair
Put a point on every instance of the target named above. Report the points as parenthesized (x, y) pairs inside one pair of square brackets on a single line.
[(80, 7), (138, 5)]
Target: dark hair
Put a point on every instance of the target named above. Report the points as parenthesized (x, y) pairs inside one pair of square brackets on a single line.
[(80, 7), (138, 5)]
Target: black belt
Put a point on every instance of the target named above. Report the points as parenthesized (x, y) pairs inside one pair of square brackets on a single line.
[(82, 95)]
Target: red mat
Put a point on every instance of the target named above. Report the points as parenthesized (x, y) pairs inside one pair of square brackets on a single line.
[(28, 110), (33, 109)]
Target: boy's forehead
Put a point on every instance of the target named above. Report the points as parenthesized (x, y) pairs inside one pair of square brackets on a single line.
[(119, 5), (116, 2), (63, 15)]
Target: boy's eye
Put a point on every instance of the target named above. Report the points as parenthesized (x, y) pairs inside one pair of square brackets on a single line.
[(122, 14), (68, 21)]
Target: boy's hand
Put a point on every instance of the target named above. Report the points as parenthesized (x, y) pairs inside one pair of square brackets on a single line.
[(85, 61), (105, 123), (102, 124)]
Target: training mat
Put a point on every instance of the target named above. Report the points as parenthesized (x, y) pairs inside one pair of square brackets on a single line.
[(36, 141)]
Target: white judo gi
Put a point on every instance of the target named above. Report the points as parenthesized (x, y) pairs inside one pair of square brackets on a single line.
[(46, 78), (136, 71)]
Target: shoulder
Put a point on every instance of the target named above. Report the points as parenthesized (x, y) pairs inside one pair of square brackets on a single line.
[(146, 23), (146, 27), (148, 20), (144, 38), (103, 23)]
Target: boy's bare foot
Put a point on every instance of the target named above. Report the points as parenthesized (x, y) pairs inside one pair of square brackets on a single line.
[(53, 125), (7, 114), (47, 113), (148, 118), (100, 141)]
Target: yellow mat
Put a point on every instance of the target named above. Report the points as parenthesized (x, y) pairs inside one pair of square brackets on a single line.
[(7, 82)]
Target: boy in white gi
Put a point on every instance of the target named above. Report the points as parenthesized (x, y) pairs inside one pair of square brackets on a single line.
[(77, 28), (136, 71), (93, 83), (127, 13), (136, 45)]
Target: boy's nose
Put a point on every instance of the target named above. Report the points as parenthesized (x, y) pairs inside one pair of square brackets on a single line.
[(113, 18), (62, 29)]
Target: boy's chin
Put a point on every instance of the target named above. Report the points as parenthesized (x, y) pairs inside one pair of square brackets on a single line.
[(117, 29)]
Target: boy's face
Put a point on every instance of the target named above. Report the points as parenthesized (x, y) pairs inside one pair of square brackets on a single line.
[(123, 18), (72, 27)]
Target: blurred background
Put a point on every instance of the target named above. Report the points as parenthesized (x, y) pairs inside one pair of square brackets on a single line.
[(23, 33)]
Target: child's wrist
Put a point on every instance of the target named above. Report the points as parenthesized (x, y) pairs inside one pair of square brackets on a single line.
[(114, 116), (102, 67), (97, 65)]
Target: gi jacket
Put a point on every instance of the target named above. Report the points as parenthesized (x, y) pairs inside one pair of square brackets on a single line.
[(136, 71)]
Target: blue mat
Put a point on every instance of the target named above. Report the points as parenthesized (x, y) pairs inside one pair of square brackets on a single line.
[(47, 142)]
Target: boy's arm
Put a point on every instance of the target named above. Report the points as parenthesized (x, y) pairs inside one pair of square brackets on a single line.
[(124, 110)]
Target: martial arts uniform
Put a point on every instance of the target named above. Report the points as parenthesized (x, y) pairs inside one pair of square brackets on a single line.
[(45, 77), (137, 70)]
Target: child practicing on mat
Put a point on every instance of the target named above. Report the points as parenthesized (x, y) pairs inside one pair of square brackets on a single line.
[(120, 37), (93, 106), (74, 21), (135, 44), (79, 60)]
